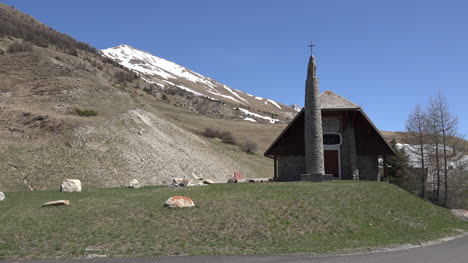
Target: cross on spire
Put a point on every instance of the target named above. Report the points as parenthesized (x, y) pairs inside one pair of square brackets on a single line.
[(311, 47)]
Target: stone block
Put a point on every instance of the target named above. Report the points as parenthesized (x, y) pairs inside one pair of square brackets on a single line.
[(71, 185)]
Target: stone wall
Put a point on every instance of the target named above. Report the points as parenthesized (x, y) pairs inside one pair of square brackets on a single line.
[(290, 167), (349, 154), (332, 124), (368, 167)]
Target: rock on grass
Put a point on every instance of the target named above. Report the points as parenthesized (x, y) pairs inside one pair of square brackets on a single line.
[(179, 201), (71, 185), (57, 203)]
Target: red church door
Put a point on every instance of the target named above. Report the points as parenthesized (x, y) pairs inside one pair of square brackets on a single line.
[(331, 162)]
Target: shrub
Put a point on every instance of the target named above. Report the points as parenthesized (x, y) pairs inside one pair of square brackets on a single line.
[(211, 133), (164, 97), (86, 113), (227, 137), (123, 76), (249, 147), (16, 47), (58, 58), (72, 52)]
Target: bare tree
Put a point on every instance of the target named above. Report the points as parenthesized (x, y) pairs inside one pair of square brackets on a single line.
[(415, 126), (448, 126), (438, 151), (432, 124), (458, 183)]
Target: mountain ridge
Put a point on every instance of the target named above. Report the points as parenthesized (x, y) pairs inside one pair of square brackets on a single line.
[(163, 73)]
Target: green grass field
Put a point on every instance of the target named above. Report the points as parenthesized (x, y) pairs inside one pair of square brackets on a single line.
[(262, 218)]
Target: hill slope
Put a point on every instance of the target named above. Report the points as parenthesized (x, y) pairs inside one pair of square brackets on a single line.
[(44, 139), (265, 218)]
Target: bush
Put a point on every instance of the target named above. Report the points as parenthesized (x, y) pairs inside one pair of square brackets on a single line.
[(72, 52), (211, 133), (16, 47), (86, 113), (225, 136), (228, 138), (249, 147), (123, 76)]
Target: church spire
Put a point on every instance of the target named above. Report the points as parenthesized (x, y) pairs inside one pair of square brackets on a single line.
[(311, 68), (313, 134)]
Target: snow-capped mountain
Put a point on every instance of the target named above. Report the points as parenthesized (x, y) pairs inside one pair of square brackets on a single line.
[(162, 72), (296, 107)]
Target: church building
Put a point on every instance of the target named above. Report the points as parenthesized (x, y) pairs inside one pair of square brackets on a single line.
[(330, 137)]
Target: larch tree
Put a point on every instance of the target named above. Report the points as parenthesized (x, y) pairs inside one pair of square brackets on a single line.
[(448, 127), (432, 126), (415, 127)]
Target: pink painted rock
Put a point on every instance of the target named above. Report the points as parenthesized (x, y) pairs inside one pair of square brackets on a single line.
[(179, 201)]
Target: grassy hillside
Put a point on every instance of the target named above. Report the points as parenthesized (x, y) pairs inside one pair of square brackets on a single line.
[(265, 218)]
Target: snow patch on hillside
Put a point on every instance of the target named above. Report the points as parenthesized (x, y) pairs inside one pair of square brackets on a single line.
[(274, 103), (249, 119), (224, 96), (235, 94), (246, 112), (414, 157)]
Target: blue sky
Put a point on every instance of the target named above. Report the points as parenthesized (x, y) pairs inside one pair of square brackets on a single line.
[(386, 56)]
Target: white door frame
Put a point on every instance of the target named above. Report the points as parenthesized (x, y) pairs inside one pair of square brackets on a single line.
[(335, 147)]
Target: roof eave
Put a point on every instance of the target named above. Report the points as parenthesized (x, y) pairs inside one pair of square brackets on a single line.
[(281, 134), (377, 130)]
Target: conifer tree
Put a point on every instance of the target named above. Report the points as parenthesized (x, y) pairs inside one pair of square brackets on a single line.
[(397, 166)]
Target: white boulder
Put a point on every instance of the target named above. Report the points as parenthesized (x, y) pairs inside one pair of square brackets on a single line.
[(191, 183), (57, 203), (134, 184), (2, 196), (71, 185), (208, 181)]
